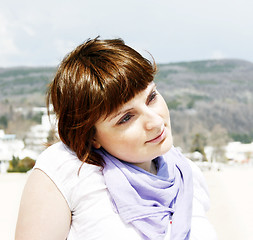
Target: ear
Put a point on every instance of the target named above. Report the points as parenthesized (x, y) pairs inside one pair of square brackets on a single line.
[(96, 144)]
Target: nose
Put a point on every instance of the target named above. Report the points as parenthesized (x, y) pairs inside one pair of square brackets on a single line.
[(153, 120)]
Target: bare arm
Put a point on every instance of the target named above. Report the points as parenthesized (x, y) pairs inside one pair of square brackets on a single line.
[(44, 213)]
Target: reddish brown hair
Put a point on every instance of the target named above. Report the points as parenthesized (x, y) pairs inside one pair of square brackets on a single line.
[(91, 82)]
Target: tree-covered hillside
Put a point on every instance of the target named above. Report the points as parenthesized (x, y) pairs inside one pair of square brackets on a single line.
[(205, 94), (21, 86)]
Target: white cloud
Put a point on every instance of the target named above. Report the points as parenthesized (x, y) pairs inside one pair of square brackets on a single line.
[(63, 46), (6, 39), (39, 33), (28, 30), (217, 54)]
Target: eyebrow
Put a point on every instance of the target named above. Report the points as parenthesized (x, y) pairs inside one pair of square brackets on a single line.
[(121, 112), (129, 109)]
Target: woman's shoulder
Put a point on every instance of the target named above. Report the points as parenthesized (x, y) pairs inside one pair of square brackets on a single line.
[(68, 173), (59, 157), (56, 153)]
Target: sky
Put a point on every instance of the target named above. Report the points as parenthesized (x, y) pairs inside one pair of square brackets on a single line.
[(41, 33)]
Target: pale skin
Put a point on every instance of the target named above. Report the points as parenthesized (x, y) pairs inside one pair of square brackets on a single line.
[(44, 213), (138, 132)]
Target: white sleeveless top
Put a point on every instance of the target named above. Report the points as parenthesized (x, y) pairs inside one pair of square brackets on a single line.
[(93, 214)]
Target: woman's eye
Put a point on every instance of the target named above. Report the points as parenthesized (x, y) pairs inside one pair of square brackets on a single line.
[(125, 119), (152, 96)]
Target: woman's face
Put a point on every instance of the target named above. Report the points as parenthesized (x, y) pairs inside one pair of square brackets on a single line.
[(139, 131)]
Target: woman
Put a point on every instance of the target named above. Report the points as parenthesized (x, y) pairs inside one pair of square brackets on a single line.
[(115, 173)]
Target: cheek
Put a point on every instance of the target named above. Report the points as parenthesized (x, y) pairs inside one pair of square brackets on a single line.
[(115, 139), (129, 140), (130, 136), (163, 109)]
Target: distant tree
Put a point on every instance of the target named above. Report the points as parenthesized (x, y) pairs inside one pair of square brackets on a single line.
[(35, 117), (14, 162), (3, 122), (198, 144), (24, 165), (52, 136), (191, 104), (242, 137), (173, 104), (11, 112), (219, 139)]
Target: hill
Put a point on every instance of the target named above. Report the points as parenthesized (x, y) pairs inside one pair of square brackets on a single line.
[(205, 94), (204, 97), (25, 85)]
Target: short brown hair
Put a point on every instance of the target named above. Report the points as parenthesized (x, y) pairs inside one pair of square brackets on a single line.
[(93, 81)]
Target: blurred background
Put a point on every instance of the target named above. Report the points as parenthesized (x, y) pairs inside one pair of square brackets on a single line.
[(204, 54)]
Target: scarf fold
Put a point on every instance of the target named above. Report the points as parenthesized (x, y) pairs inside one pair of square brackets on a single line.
[(149, 201)]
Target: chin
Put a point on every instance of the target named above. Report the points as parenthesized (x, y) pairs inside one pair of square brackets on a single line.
[(166, 146)]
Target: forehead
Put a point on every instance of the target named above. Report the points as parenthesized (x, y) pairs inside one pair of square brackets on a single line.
[(141, 96)]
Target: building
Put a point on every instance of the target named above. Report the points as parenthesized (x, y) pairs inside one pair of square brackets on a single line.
[(36, 138), (9, 147), (31, 147), (239, 152)]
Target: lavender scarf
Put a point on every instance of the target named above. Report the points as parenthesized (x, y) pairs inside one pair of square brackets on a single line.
[(149, 201)]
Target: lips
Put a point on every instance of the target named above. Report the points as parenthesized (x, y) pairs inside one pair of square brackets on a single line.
[(159, 138)]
